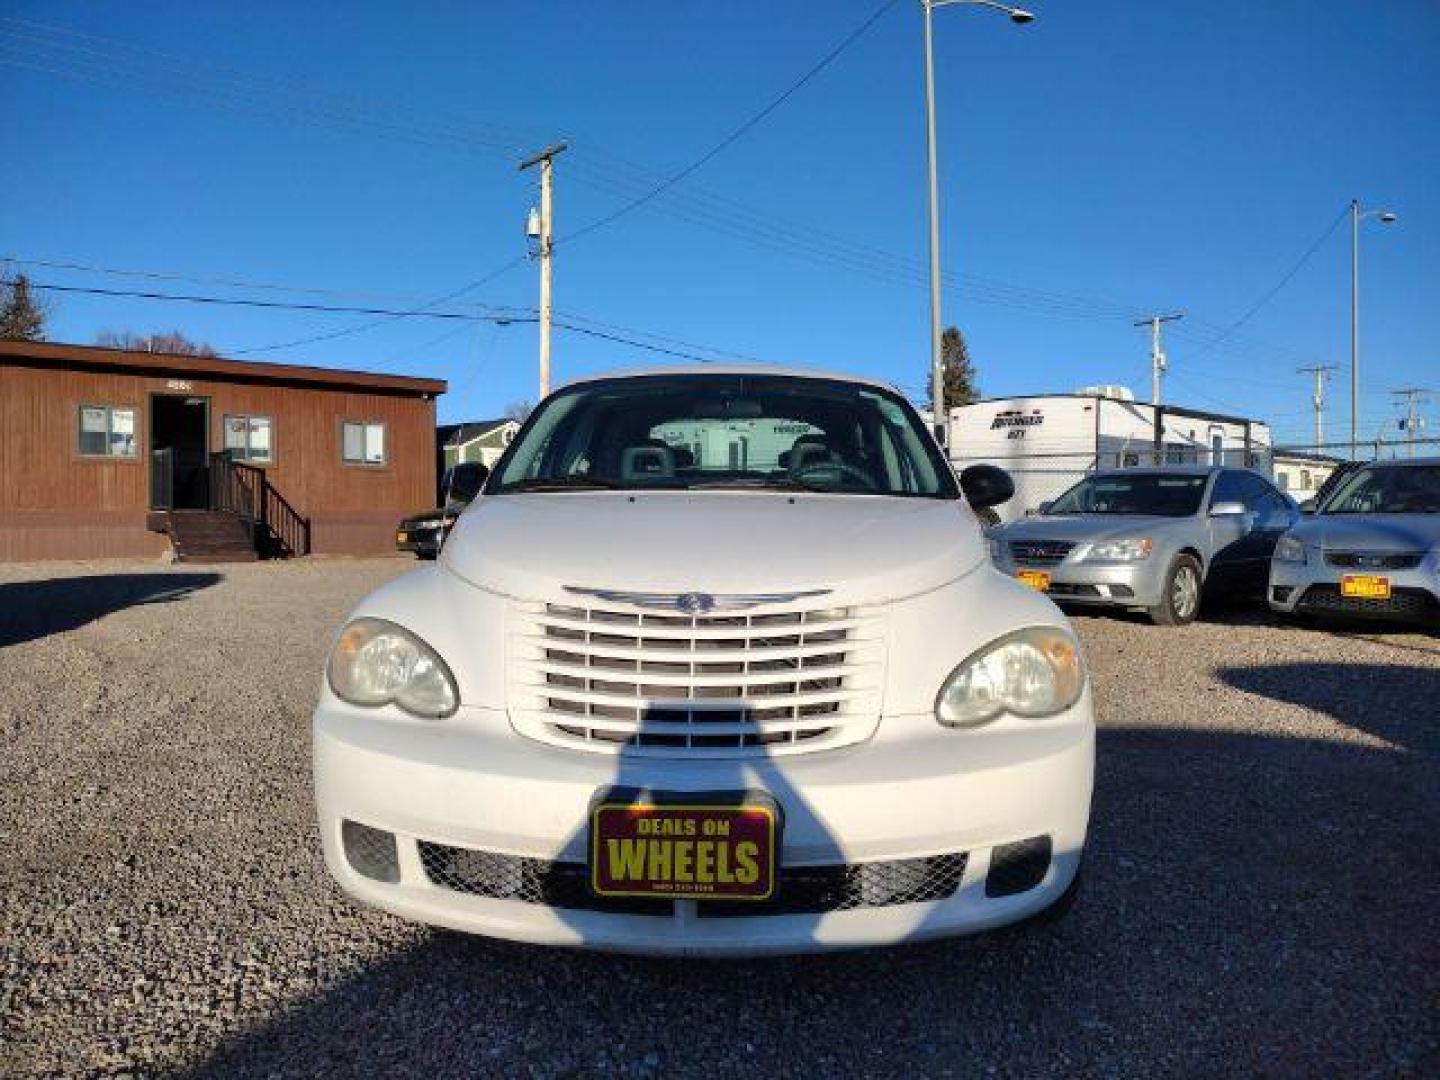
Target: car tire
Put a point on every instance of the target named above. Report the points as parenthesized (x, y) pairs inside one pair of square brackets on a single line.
[(1180, 596)]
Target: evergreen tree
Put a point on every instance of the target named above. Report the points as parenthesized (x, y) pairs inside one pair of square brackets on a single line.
[(959, 373), (21, 317)]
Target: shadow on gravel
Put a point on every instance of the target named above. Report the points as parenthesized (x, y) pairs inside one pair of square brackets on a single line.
[(1396, 702), (1253, 905), (35, 609)]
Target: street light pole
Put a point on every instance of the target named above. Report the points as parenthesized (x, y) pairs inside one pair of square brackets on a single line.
[(1357, 216), (937, 359)]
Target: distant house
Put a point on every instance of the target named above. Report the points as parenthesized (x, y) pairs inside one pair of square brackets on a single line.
[(481, 441), (1301, 473), (108, 452)]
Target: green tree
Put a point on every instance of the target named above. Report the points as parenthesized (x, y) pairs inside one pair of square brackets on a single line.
[(22, 317), (959, 372)]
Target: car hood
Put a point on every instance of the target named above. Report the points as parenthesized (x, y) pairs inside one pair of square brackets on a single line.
[(1370, 532), (1091, 528), (861, 549)]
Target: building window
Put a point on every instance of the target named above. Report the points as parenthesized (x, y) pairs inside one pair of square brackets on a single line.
[(1304, 479), (108, 431), (247, 438), (363, 443)]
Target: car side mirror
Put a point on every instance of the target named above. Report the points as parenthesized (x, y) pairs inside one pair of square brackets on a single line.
[(1228, 509), (986, 485), (1308, 506), (1044, 507), (466, 480)]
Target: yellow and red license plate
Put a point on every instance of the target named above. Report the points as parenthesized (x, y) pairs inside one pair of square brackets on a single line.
[(1365, 586), (1036, 579), (716, 848)]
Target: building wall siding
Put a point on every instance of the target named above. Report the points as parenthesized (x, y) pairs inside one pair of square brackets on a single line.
[(55, 503)]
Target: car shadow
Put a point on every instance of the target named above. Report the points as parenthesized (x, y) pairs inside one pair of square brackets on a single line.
[(1253, 904), (35, 609)]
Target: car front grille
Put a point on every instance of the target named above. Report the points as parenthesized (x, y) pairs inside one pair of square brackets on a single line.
[(801, 890), (671, 684), (1407, 603), (1040, 552), (1375, 560)]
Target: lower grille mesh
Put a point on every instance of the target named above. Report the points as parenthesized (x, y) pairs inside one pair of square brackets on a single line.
[(802, 890)]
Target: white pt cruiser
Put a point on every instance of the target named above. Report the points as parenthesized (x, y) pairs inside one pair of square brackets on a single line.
[(715, 663)]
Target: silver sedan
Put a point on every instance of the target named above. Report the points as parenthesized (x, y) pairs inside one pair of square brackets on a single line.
[(1154, 539), (1371, 551)]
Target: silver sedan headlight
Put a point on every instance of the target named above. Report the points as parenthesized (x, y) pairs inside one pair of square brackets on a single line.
[(1290, 549), (1033, 672), (1130, 549), (376, 662)]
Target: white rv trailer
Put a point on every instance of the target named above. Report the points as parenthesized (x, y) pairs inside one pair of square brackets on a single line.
[(1049, 442)]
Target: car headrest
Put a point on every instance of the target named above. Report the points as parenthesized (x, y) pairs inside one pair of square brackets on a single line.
[(806, 455), (646, 462)]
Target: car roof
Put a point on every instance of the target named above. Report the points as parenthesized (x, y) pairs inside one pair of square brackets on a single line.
[(1169, 470), (734, 368), (1403, 463)]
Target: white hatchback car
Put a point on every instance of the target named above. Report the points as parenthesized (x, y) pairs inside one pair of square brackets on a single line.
[(715, 664)]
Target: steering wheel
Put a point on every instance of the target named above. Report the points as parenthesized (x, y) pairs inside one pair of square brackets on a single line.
[(845, 469)]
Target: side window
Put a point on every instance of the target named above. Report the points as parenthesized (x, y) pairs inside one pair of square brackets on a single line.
[(107, 431), (1229, 487), (362, 443), (247, 438)]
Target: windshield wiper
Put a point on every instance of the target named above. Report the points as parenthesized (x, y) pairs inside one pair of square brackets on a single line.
[(575, 482), (769, 483)]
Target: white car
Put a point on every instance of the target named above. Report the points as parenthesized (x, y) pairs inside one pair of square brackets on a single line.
[(715, 664)]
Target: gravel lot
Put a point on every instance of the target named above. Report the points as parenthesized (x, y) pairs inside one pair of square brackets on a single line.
[(1261, 887)]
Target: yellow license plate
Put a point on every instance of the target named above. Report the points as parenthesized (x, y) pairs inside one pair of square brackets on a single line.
[(1036, 579), (684, 850), (1365, 587)]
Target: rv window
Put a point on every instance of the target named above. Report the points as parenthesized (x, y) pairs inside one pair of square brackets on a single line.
[(363, 443), (107, 431), (247, 438)]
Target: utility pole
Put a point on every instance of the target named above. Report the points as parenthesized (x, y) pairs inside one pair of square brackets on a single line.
[(1158, 364), (1413, 395), (1321, 373), (546, 160)]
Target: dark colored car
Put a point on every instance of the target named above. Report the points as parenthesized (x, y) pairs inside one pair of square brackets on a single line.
[(424, 533)]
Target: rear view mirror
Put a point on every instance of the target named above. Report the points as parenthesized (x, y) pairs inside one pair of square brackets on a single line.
[(986, 485), (466, 480)]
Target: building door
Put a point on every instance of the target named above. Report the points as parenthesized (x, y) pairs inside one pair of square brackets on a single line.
[(179, 452)]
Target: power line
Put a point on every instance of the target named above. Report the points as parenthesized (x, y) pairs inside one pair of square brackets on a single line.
[(1276, 288), (740, 131)]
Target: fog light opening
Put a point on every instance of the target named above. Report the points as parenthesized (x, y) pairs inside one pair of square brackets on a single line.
[(1017, 867), (371, 852)]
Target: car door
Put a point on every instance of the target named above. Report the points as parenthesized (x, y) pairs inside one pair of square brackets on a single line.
[(1275, 513), (1228, 535)]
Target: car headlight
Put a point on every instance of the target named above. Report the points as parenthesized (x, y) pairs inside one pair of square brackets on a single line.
[(1289, 549), (1128, 550), (1033, 672), (376, 662)]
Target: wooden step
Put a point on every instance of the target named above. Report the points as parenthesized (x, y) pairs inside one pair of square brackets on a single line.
[(209, 536)]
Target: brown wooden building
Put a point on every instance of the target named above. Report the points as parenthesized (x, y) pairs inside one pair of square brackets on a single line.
[(103, 452)]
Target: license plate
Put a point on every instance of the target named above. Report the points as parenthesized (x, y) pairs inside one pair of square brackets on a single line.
[(1365, 587), (711, 848), (1036, 579)]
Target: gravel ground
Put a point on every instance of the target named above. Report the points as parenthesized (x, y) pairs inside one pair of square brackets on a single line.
[(1260, 898)]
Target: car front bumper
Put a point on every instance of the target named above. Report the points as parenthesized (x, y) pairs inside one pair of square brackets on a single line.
[(420, 541), (914, 791), (1136, 584), (1313, 588)]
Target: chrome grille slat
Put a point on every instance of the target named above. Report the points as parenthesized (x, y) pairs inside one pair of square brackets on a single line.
[(757, 682)]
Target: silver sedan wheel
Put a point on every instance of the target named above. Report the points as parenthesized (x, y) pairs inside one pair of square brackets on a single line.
[(1185, 593)]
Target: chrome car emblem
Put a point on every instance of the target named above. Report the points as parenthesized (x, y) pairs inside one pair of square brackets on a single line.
[(695, 603)]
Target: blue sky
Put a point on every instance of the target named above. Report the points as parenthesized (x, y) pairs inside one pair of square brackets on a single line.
[(1112, 158)]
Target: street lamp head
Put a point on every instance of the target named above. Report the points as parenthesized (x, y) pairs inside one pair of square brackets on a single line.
[(1020, 16), (1387, 218)]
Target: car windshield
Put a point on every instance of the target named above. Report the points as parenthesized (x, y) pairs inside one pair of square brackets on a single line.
[(1388, 489), (1150, 494), (791, 433)]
